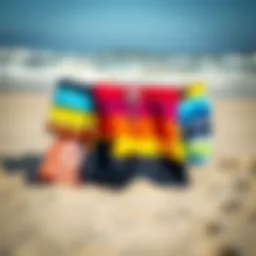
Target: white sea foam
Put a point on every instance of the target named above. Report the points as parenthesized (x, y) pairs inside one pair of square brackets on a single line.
[(226, 74)]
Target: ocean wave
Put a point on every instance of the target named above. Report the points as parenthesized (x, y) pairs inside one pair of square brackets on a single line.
[(232, 73)]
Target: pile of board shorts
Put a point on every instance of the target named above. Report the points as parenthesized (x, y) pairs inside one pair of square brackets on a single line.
[(110, 132)]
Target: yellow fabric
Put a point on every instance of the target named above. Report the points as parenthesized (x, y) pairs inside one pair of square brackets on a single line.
[(147, 147), (123, 146), (196, 90), (175, 150), (71, 119), (178, 152), (150, 147)]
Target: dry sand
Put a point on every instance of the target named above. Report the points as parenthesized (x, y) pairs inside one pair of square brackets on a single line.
[(215, 215)]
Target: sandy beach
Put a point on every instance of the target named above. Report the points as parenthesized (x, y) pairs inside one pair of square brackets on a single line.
[(214, 215)]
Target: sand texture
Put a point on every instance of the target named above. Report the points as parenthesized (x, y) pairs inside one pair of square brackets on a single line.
[(215, 215)]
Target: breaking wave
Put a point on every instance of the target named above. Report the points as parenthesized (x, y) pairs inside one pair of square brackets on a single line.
[(232, 74)]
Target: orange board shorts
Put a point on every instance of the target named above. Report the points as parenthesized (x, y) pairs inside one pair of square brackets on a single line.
[(63, 162)]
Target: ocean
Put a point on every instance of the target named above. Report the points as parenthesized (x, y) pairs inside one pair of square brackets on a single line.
[(227, 75)]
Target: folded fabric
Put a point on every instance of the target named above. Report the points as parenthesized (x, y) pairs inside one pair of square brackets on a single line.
[(73, 120), (74, 100)]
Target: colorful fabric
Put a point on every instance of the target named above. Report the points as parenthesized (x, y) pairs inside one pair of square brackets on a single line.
[(72, 112), (195, 113), (156, 123)]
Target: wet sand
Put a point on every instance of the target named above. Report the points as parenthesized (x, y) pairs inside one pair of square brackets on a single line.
[(214, 215)]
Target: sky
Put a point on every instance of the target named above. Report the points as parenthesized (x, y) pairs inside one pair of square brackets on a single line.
[(136, 25)]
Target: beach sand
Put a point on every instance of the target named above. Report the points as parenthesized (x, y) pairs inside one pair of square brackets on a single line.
[(214, 215)]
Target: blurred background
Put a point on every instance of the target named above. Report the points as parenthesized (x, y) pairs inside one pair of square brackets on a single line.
[(172, 40), (138, 41)]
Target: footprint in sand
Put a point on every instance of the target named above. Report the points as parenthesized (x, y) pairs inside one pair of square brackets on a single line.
[(231, 206), (229, 251), (214, 228)]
